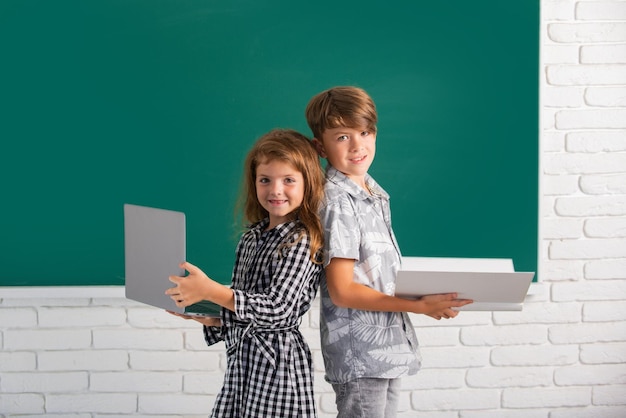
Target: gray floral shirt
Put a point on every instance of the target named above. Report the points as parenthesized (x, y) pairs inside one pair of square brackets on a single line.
[(357, 343)]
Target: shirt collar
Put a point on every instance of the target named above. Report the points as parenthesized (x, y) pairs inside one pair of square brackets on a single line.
[(344, 182)]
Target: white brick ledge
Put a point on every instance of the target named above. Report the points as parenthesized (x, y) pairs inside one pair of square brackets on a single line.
[(57, 292)]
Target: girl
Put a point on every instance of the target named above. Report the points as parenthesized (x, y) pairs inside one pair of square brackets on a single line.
[(274, 281)]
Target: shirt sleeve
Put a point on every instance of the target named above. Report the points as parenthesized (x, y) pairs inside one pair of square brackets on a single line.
[(342, 237), (294, 277)]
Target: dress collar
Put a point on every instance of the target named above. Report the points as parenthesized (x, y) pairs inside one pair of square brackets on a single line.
[(281, 229)]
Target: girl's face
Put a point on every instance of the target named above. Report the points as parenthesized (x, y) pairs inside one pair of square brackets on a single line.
[(280, 190)]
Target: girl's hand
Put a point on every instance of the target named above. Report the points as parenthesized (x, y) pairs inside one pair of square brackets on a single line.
[(189, 289), (204, 320)]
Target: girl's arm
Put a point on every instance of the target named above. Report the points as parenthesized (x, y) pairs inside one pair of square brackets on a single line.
[(346, 293), (294, 272), (294, 276)]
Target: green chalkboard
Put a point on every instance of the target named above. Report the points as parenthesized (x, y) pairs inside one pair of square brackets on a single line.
[(155, 102)]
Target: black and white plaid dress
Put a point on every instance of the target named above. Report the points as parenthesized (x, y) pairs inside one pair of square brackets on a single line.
[(269, 369)]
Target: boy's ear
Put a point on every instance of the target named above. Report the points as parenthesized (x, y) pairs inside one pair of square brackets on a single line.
[(319, 146)]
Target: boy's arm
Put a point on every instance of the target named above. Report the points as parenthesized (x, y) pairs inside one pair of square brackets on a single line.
[(346, 293)]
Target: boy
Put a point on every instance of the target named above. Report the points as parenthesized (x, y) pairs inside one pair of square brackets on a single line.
[(368, 341)]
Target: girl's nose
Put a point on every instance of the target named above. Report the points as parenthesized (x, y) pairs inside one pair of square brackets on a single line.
[(277, 188)]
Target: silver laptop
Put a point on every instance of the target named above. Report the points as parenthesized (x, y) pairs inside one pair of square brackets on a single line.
[(154, 246), (492, 284)]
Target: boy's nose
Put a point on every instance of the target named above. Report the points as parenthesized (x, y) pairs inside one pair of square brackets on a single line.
[(357, 144)]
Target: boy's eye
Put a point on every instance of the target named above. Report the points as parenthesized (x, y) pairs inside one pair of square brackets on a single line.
[(343, 138), (365, 133)]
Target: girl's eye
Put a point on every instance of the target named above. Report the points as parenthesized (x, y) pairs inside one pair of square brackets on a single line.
[(290, 180), (264, 180)]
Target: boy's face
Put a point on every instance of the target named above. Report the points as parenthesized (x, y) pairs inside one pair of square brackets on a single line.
[(349, 150), (280, 190)]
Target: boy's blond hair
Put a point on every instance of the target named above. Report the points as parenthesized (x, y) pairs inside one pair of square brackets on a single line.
[(342, 106)]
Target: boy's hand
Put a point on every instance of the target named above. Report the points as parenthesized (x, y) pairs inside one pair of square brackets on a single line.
[(440, 306)]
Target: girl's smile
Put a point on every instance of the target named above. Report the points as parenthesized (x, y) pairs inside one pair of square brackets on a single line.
[(280, 190)]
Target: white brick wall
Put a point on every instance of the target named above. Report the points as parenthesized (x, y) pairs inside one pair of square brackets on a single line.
[(91, 353)]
